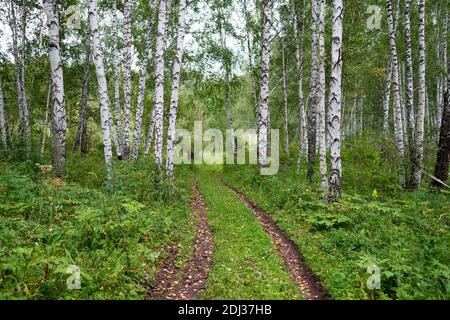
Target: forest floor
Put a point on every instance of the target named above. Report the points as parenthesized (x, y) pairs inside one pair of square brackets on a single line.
[(227, 233)]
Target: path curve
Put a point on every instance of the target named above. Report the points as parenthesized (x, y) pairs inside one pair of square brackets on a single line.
[(193, 278), (308, 283)]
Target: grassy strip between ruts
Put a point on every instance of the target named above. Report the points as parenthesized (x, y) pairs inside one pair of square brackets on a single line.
[(245, 263)]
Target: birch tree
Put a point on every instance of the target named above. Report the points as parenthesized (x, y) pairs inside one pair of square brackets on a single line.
[(103, 91), (126, 70), (396, 90), (59, 125), (417, 165), (321, 112), (81, 138), (175, 89), (18, 53), (159, 84), (264, 85), (116, 63), (142, 81), (409, 81), (313, 90), (3, 121), (302, 127), (285, 97), (334, 125), (44, 127)]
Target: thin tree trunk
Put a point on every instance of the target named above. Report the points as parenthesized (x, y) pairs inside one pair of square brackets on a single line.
[(103, 91), (321, 101), (3, 121), (443, 154), (44, 129), (409, 82), (263, 124), (387, 98), (175, 90), (302, 127), (285, 96), (417, 165), (81, 139), (395, 84), (126, 69), (24, 118), (313, 94), (142, 82), (334, 125), (159, 84), (59, 125), (116, 63)]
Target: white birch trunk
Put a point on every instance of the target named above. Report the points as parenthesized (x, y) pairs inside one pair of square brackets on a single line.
[(321, 101), (159, 84), (285, 96), (264, 90), (126, 70), (335, 122), (417, 169), (396, 90), (24, 118), (409, 82), (116, 63), (142, 82), (103, 91), (3, 121), (44, 129), (175, 90), (313, 92), (59, 125), (302, 127)]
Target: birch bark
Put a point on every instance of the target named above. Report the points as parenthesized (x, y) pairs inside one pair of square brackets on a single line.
[(417, 165), (175, 89), (334, 125), (103, 91), (126, 70), (264, 89), (3, 121), (59, 125), (396, 90)]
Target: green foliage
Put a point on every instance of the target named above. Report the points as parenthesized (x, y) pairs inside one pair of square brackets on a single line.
[(116, 239)]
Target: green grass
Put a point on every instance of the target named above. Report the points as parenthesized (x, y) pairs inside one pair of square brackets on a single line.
[(116, 239), (245, 263), (405, 233)]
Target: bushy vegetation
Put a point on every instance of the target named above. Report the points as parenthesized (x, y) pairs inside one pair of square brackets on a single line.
[(116, 239), (406, 234)]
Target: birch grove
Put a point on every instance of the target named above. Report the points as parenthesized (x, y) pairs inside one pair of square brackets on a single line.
[(103, 91), (59, 125)]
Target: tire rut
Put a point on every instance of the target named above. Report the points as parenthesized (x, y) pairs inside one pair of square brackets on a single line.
[(309, 285), (170, 283)]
